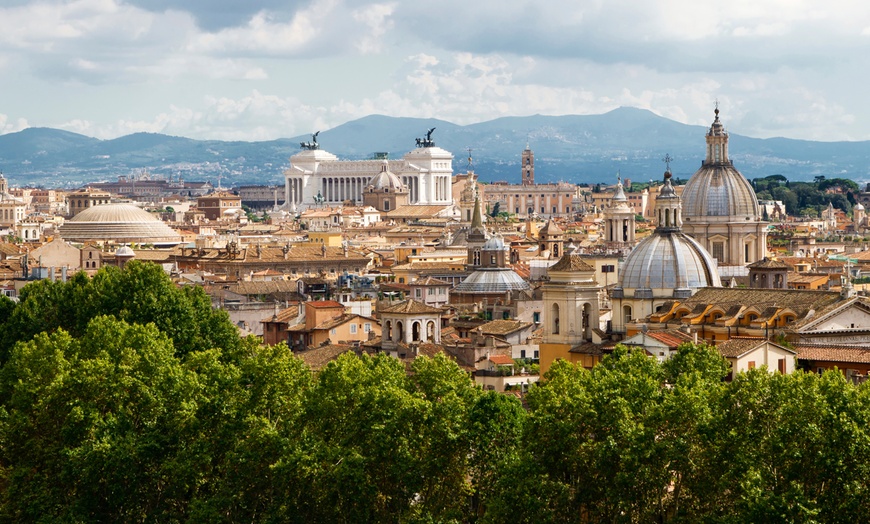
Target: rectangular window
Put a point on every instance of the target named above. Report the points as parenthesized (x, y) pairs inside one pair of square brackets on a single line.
[(418, 292), (751, 364), (353, 329), (431, 291), (367, 327), (781, 366), (332, 331), (718, 251)]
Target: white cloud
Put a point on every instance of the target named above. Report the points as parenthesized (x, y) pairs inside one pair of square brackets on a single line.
[(7, 125)]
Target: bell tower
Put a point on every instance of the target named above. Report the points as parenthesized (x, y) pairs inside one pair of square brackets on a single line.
[(528, 166)]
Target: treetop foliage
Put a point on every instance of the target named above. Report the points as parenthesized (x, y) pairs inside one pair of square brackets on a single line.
[(104, 418)]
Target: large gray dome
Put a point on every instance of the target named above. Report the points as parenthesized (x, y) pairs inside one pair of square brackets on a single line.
[(670, 260), (120, 223), (719, 190)]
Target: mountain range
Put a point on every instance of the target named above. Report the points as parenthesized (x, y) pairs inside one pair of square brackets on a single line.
[(574, 148)]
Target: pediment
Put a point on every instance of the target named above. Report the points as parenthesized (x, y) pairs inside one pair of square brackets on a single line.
[(855, 315)]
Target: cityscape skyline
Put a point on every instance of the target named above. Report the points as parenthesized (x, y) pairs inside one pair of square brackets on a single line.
[(270, 69)]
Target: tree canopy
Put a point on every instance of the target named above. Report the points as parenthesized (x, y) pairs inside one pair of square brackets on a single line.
[(104, 418)]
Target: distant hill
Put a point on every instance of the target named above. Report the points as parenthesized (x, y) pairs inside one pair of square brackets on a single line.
[(576, 148)]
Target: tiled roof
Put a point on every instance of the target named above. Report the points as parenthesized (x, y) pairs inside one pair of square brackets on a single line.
[(284, 316), (833, 353), (324, 304), (501, 360), (503, 327), (671, 337), (571, 263), (411, 307), (587, 348), (429, 281), (768, 263), (263, 288), (318, 358), (799, 301), (415, 211), (735, 347)]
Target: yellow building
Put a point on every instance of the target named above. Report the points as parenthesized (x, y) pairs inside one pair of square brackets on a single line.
[(326, 238)]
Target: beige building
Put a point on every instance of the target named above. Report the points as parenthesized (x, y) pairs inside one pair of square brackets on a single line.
[(85, 199)]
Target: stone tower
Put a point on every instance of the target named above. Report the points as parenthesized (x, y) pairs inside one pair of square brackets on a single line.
[(528, 166)]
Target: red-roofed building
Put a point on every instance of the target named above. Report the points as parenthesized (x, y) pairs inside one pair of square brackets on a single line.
[(659, 344)]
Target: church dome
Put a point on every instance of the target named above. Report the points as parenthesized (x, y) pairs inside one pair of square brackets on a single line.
[(669, 260), (386, 181), (491, 280), (495, 243), (717, 189), (118, 222)]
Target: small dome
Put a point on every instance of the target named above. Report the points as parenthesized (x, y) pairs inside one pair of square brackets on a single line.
[(386, 180), (858, 207), (125, 251), (670, 260), (488, 280), (495, 243)]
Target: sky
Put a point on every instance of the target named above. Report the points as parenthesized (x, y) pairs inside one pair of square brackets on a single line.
[(265, 69)]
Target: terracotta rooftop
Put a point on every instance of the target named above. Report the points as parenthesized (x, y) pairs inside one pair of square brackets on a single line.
[(318, 358), (324, 304), (738, 346), (410, 307), (284, 316), (671, 337), (768, 263), (799, 301), (833, 353), (571, 263), (501, 360), (503, 327)]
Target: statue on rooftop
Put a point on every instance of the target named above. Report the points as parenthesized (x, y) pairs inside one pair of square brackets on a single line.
[(311, 146)]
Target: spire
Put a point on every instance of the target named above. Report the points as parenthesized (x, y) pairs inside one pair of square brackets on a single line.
[(717, 141), (669, 206), (476, 217)]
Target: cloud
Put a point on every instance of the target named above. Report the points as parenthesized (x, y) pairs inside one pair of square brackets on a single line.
[(7, 125)]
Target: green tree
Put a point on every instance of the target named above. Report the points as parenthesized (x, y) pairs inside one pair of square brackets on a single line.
[(91, 428), (139, 293)]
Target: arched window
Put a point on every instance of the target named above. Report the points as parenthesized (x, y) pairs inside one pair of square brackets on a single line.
[(430, 331), (388, 330), (415, 331), (626, 314)]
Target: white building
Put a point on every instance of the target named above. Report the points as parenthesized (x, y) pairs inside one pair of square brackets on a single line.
[(316, 175)]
